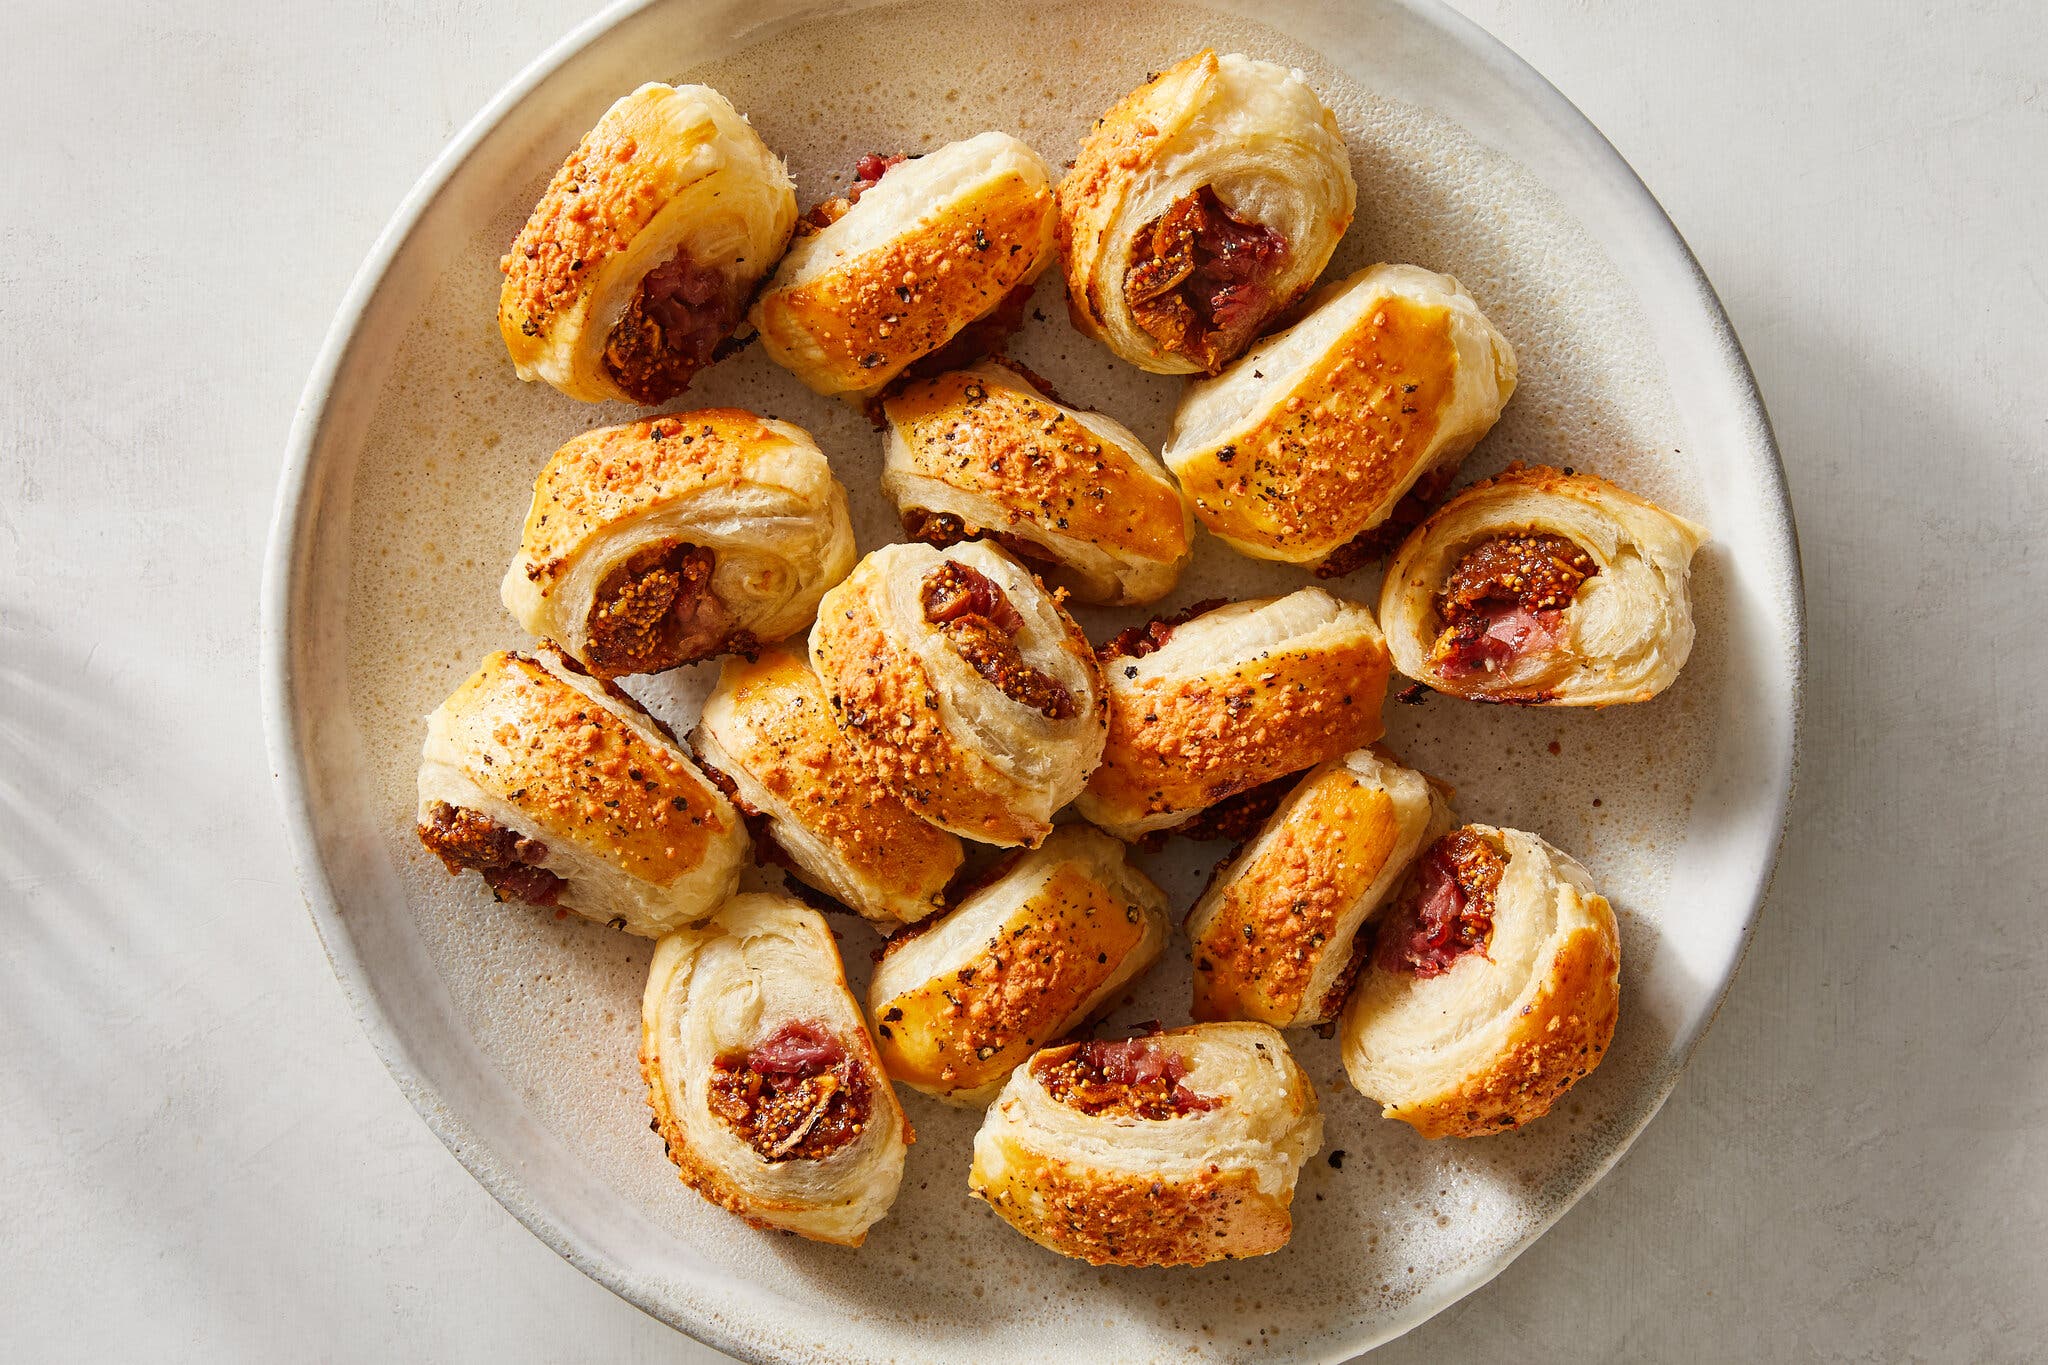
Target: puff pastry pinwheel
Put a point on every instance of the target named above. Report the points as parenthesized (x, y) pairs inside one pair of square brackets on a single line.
[(1543, 587), (1205, 706), (1303, 448), (1276, 937), (987, 452), (1199, 208), (964, 686), (768, 729), (677, 538), (1176, 1149), (640, 257), (763, 1077), (919, 249), (1025, 959), (1492, 988), (561, 791)]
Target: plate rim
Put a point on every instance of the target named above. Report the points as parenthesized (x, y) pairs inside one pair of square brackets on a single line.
[(282, 733)]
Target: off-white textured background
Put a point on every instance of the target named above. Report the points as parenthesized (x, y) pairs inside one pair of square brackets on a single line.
[(201, 1160)]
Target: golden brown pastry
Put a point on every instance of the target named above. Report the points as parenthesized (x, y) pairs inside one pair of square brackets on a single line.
[(1276, 937), (1074, 494), (919, 249), (1492, 988), (1177, 1149), (638, 261), (964, 686), (1202, 709), (561, 791), (679, 538), (762, 1075), (768, 729), (1025, 959), (1200, 208), (1303, 448), (1543, 587)]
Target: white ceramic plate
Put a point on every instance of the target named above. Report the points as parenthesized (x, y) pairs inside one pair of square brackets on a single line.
[(514, 1034)]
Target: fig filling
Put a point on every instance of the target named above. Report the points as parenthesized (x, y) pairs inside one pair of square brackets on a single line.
[(940, 529), (672, 329), (1452, 913), (795, 1096), (867, 173), (1199, 279), (1506, 599), (464, 839), (657, 610), (1136, 642), (1130, 1078), (982, 627)]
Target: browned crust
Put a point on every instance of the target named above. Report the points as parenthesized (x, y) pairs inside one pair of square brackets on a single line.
[(968, 1027), (1558, 1041), (1182, 744), (874, 314), (616, 473), (800, 757), (1123, 142), (583, 774), (1353, 430), (1108, 1219), (1278, 919), (1033, 458), (885, 704)]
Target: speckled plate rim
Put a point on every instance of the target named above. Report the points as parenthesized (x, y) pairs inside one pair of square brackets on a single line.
[(285, 583)]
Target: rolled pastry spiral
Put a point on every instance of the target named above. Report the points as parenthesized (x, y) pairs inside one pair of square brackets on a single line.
[(1302, 448), (561, 791), (986, 451), (677, 538), (1026, 959), (762, 1076), (1543, 587), (1492, 989), (964, 686), (768, 729), (1177, 1149), (1276, 937), (1199, 208), (639, 259), (1203, 708), (937, 242)]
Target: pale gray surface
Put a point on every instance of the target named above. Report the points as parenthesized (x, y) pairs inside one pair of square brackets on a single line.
[(202, 1158)]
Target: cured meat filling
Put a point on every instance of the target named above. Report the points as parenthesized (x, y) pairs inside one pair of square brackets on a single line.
[(657, 610), (1136, 642), (464, 839), (1199, 279), (982, 626), (1505, 599), (1130, 1078), (867, 173), (940, 529), (672, 329), (1452, 913), (795, 1096)]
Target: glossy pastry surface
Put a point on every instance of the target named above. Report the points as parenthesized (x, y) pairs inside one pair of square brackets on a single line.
[(638, 261), (1074, 494), (1543, 587), (892, 273), (964, 686), (763, 1079), (1199, 208), (1021, 961), (1177, 1149), (1205, 708), (1492, 989), (1305, 445), (678, 538), (560, 791), (1277, 936), (767, 727)]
